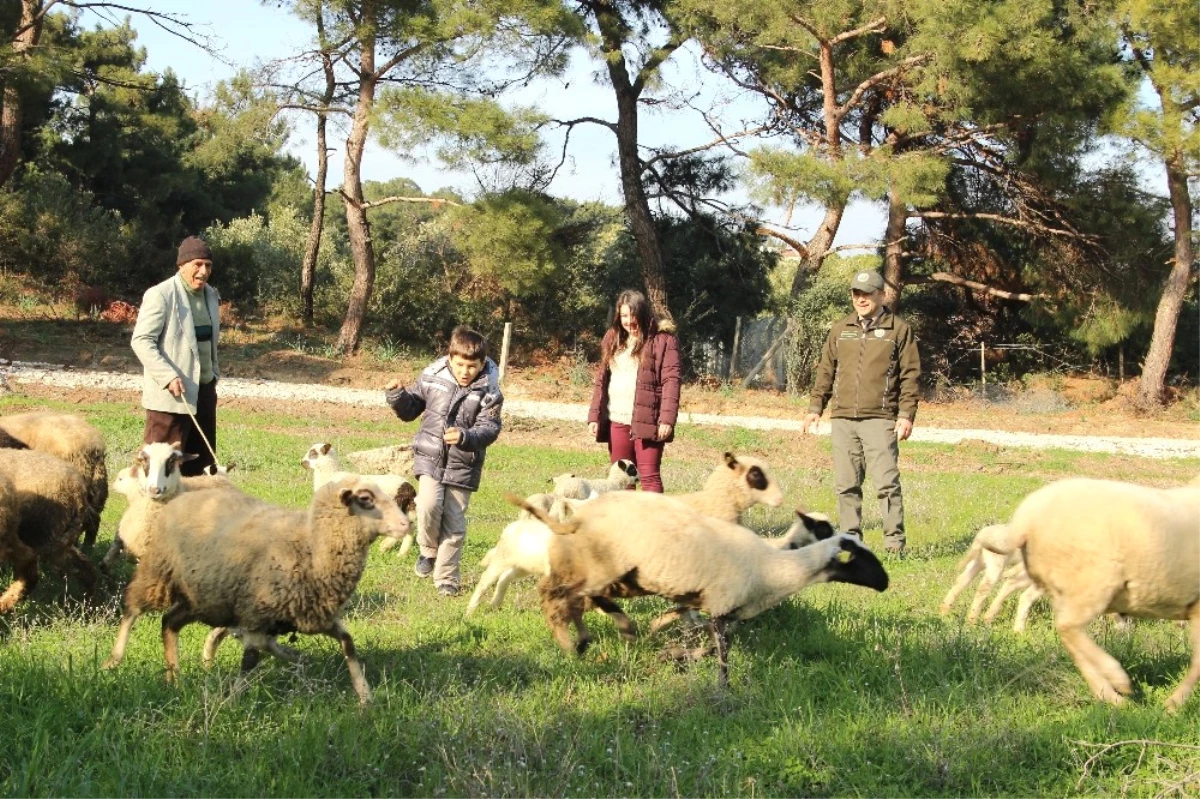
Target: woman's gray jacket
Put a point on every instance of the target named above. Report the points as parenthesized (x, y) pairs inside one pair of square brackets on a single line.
[(474, 409)]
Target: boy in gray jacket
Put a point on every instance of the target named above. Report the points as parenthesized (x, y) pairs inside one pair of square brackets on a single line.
[(460, 397)]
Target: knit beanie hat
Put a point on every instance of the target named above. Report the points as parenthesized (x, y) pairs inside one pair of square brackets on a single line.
[(191, 249)]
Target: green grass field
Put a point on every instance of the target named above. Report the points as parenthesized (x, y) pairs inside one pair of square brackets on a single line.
[(838, 692)]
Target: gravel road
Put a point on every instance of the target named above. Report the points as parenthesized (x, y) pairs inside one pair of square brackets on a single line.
[(18, 372)]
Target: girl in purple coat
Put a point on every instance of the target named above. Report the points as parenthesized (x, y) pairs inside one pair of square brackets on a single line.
[(635, 399)]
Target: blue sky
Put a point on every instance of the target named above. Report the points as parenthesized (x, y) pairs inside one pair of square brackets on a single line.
[(245, 32)]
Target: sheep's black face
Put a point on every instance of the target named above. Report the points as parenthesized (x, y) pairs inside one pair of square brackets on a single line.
[(628, 467), (855, 564), (819, 526)]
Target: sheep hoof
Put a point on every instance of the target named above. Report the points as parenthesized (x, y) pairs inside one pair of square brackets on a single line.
[(110, 664), (581, 646)]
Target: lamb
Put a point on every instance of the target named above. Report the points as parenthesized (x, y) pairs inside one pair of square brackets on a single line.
[(74, 440), (696, 561), (622, 474), (994, 565), (740, 482), (43, 506), (1099, 546), (150, 483), (228, 560), (322, 460)]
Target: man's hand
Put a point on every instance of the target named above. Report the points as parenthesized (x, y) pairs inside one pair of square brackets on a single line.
[(664, 431), (397, 383), (176, 387), (903, 429), (593, 428), (453, 435), (809, 422)]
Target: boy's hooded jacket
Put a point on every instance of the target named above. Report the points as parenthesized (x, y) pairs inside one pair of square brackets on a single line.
[(474, 409)]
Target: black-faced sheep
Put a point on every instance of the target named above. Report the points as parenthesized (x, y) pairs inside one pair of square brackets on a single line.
[(738, 483), (1101, 546), (45, 506), (622, 474), (74, 440), (697, 561), (322, 460), (228, 560), (993, 565)]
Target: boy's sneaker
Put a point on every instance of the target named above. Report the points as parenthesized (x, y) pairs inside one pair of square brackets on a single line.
[(424, 566), (448, 589)]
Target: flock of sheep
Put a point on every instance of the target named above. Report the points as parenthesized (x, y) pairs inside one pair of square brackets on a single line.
[(208, 552)]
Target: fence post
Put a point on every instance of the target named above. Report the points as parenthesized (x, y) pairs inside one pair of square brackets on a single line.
[(504, 350), (982, 366), (737, 342)]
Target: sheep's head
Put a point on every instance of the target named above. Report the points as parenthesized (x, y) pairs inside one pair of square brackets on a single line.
[(320, 456), (623, 468), (809, 528), (156, 468), (752, 473), (364, 498), (847, 560)]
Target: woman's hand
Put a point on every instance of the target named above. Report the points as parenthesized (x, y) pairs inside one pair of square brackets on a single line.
[(593, 428), (664, 432)]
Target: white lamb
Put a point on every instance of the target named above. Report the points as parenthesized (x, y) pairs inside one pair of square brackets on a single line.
[(994, 565), (738, 483), (150, 483), (322, 460), (696, 561), (228, 560), (1102, 546), (622, 474)]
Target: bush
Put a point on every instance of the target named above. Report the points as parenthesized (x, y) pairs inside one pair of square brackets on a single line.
[(257, 261)]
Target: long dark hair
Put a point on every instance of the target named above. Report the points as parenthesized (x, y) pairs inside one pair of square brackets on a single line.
[(640, 309)]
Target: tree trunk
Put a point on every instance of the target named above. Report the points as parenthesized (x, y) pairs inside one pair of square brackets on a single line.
[(818, 248), (1162, 341), (893, 249), (350, 336), (30, 28), (312, 249)]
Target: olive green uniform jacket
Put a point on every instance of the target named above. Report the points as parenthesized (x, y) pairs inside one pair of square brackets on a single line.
[(868, 374)]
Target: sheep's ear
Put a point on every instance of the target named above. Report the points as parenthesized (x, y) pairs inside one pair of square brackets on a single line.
[(177, 445), (816, 523), (730, 460), (140, 458), (346, 496), (325, 448), (188, 456)]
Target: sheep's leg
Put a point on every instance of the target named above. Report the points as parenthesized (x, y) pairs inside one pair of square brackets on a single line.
[(118, 650), (114, 552), (560, 609), (1010, 586), (624, 624), (968, 574), (721, 641), (405, 545), (503, 583), (992, 569), (485, 581), (215, 636), (665, 620), (25, 574), (1024, 605), (250, 658), (357, 678), (284, 653), (176, 617), (1102, 672), (1181, 693), (84, 570)]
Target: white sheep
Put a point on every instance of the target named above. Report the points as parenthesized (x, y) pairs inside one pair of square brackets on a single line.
[(694, 560), (150, 483), (228, 560), (1102, 546), (622, 474), (322, 460), (992, 554), (73, 439), (43, 508), (735, 485)]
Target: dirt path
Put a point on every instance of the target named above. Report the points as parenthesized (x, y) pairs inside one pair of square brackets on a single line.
[(126, 385)]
